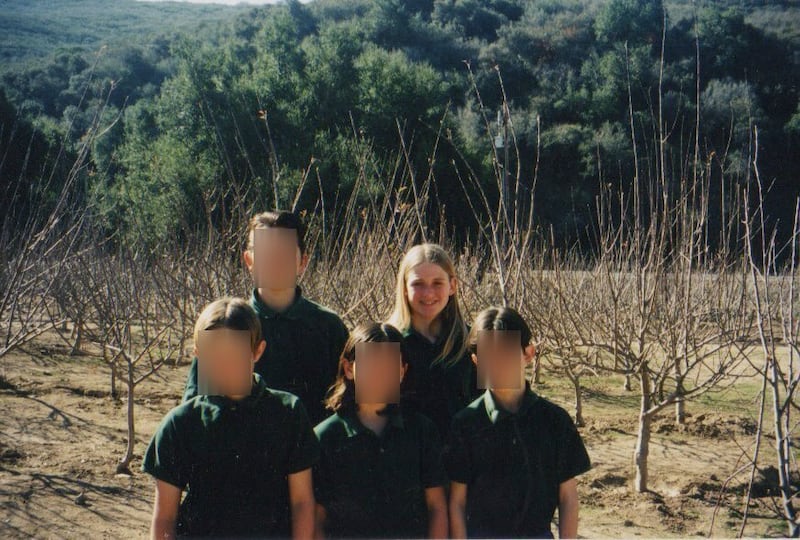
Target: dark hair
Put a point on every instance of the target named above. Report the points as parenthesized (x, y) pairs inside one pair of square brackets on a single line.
[(280, 219), (499, 318), (342, 393)]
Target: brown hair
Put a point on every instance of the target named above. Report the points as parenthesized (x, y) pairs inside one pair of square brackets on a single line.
[(280, 219), (342, 394), (232, 313), (499, 318)]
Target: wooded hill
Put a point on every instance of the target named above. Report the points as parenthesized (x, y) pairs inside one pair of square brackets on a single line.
[(165, 100)]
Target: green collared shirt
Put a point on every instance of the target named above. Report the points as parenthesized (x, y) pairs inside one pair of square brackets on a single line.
[(232, 457), (373, 486), (434, 386), (304, 344), (496, 412), (513, 464)]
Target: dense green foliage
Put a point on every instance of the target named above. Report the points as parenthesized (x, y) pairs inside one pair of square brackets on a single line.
[(173, 118)]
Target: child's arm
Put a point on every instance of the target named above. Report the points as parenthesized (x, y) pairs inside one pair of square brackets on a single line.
[(301, 502), (321, 515), (457, 506), (437, 512), (568, 509), (165, 511)]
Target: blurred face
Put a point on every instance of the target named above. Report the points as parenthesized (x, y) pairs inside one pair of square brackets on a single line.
[(500, 360), (377, 372), (225, 362), (428, 289), (275, 261)]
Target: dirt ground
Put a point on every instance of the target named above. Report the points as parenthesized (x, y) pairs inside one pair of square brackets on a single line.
[(61, 435)]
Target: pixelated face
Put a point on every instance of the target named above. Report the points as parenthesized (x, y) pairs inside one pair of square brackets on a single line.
[(428, 289), (224, 362), (377, 372), (501, 361), (276, 258)]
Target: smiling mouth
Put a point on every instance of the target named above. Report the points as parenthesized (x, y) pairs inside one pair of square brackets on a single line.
[(429, 303)]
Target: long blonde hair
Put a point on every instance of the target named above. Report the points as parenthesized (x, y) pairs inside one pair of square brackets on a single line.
[(452, 322)]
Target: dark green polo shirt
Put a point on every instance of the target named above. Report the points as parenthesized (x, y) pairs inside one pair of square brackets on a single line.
[(438, 388), (233, 458), (513, 464), (304, 344), (374, 486)]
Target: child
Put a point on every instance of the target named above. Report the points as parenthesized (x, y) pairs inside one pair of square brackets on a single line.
[(380, 472), (304, 339), (512, 456), (244, 457), (441, 378)]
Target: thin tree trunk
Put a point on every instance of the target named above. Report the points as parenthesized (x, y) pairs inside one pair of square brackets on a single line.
[(123, 466), (783, 452), (576, 384), (680, 405), (680, 412), (182, 347), (537, 370), (78, 343), (642, 450)]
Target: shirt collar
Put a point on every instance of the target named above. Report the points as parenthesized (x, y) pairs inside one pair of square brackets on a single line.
[(257, 390), (496, 412), (353, 425), (411, 332), (294, 311)]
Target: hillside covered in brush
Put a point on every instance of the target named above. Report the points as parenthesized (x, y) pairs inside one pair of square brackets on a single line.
[(162, 104)]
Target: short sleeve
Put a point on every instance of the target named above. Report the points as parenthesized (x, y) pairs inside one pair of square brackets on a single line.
[(456, 455), (190, 390), (432, 473), (304, 452), (573, 460), (164, 457)]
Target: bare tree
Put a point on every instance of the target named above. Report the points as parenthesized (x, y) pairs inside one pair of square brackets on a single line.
[(139, 333), (35, 254), (774, 294)]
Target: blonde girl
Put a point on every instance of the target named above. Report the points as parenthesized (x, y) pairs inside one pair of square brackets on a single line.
[(441, 378)]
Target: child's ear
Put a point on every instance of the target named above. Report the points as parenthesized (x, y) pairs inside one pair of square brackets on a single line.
[(303, 263), (349, 372), (247, 259), (262, 345), (403, 371), (474, 358), (529, 352), (453, 286), (194, 352)]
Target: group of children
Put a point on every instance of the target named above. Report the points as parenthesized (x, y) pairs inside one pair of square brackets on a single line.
[(293, 426)]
